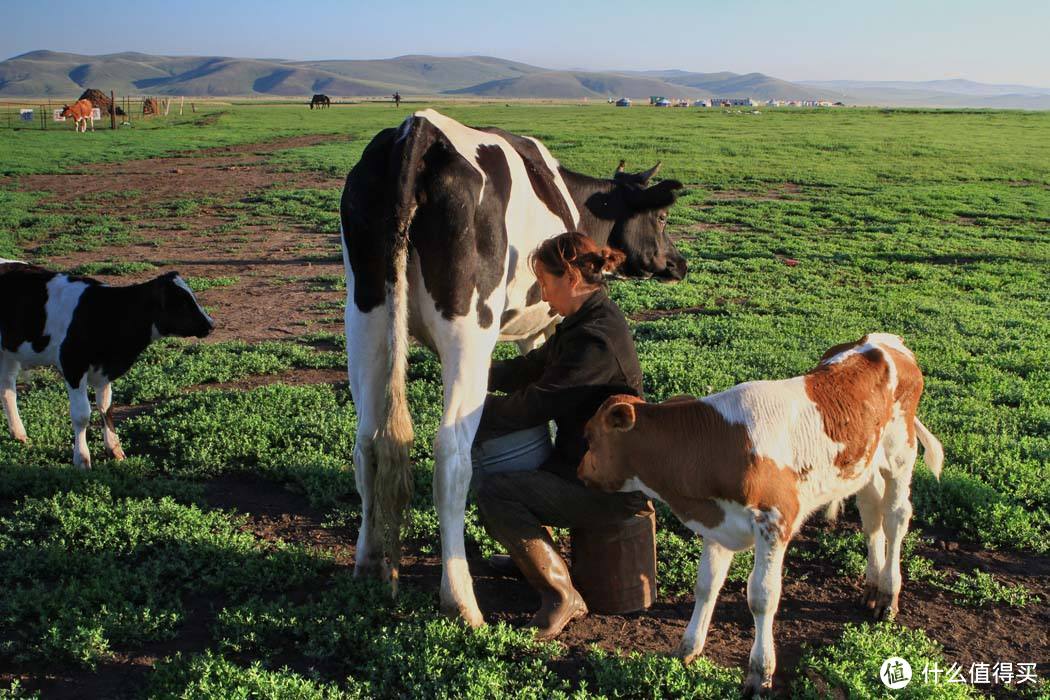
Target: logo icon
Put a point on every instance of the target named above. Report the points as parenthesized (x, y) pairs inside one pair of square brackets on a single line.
[(895, 673)]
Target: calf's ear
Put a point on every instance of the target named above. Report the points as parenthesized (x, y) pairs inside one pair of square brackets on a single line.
[(620, 417)]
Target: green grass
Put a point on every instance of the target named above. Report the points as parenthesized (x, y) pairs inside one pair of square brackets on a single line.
[(201, 284), (115, 267), (933, 225), (85, 572), (852, 666)]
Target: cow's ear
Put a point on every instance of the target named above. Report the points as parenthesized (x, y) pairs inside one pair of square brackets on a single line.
[(620, 417), (646, 175), (659, 196)]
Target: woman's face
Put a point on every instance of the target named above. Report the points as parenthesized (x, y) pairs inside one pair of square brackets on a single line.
[(562, 293)]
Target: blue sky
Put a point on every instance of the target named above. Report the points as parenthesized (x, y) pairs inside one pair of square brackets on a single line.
[(1004, 41)]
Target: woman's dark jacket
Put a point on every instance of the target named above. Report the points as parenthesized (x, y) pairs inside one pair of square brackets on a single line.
[(590, 357)]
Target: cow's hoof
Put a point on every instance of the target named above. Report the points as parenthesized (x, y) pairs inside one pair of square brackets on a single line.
[(687, 653), (870, 596), (756, 686), (371, 567), (116, 454), (885, 607), (472, 618), (22, 438)]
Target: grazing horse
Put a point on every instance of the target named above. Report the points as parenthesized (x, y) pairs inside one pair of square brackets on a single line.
[(320, 101), (438, 220), (81, 112)]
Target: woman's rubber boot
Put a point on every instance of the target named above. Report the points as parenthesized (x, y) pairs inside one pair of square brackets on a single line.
[(545, 570)]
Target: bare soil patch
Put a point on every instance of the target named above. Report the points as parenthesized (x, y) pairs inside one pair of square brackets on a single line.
[(273, 260), (816, 602), (784, 190), (229, 173)]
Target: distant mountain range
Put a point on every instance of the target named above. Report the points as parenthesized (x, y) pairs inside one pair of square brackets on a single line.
[(938, 93), (64, 75)]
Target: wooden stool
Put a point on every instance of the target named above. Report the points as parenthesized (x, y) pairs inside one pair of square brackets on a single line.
[(614, 569)]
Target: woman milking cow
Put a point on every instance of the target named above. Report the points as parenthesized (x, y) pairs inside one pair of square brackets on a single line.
[(523, 484)]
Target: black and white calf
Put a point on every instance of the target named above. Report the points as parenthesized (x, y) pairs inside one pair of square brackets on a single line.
[(88, 330), (438, 220)]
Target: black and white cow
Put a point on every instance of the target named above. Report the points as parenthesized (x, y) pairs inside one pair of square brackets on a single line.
[(90, 331), (438, 220)]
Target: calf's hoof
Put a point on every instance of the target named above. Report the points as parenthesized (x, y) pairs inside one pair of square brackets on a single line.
[(20, 437), (885, 607), (116, 453)]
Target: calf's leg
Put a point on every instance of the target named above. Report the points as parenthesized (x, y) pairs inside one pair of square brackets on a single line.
[(763, 597), (710, 575), (900, 450), (104, 402), (80, 414), (869, 503), (9, 395)]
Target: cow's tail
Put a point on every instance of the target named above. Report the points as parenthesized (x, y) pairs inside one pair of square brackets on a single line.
[(933, 450), (393, 444)]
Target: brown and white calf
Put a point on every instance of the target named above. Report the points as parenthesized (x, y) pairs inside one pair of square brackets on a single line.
[(747, 466), (90, 331)]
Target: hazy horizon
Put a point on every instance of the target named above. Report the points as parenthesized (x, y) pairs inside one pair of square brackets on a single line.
[(804, 41)]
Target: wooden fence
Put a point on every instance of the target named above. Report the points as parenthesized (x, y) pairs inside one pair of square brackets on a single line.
[(43, 114)]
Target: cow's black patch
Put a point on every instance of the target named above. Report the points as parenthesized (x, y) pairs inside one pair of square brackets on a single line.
[(366, 212), (540, 176), (460, 243), (507, 316), (491, 227), (23, 298)]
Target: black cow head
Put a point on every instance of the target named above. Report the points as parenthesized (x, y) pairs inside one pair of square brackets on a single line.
[(639, 215), (177, 311)]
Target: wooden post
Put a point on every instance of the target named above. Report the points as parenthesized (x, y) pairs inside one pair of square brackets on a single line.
[(112, 110), (182, 101), (43, 123), (193, 108)]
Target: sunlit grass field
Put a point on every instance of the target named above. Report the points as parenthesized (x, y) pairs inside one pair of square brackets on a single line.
[(932, 225)]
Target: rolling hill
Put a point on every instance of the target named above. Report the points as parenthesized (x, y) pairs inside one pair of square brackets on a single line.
[(65, 75), (52, 73)]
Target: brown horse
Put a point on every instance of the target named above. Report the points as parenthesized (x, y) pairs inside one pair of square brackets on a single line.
[(81, 112), (320, 101)]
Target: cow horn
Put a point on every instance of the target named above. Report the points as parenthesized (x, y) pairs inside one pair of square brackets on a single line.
[(650, 172)]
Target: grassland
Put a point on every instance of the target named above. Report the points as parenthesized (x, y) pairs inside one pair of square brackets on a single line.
[(159, 577)]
